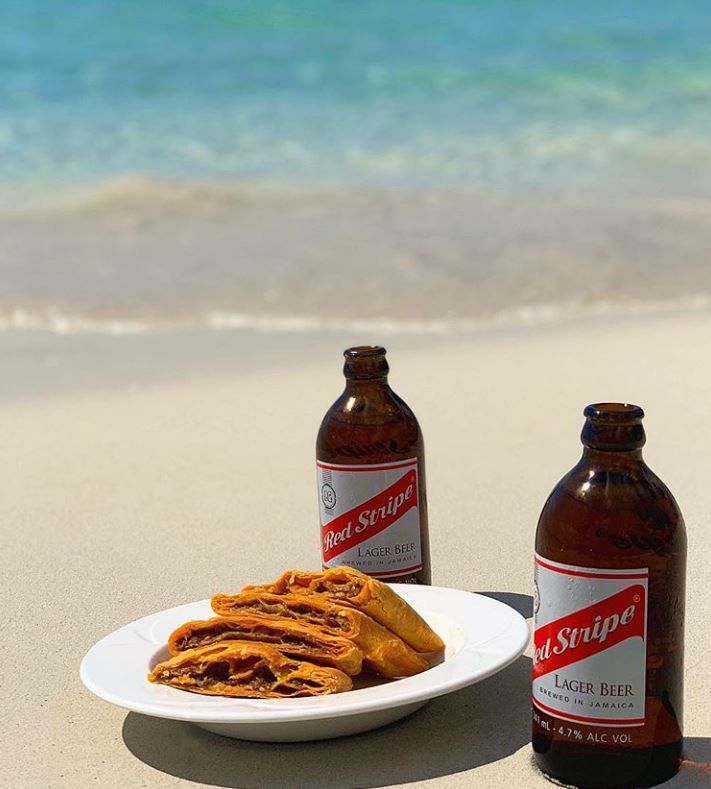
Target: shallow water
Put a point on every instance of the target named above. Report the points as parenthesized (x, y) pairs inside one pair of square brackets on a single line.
[(436, 164)]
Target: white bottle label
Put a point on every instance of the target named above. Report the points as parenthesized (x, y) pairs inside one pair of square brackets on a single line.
[(370, 517), (590, 641)]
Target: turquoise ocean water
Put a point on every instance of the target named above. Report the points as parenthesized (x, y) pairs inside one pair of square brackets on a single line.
[(533, 139)]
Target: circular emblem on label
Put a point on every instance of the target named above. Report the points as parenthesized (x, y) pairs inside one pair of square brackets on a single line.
[(536, 598), (328, 496)]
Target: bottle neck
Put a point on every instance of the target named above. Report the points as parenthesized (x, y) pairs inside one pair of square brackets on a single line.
[(359, 385), (601, 457), (371, 396)]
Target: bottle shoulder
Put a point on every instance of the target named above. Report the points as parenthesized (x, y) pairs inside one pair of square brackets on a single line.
[(613, 487), (369, 429), (610, 514), (377, 405)]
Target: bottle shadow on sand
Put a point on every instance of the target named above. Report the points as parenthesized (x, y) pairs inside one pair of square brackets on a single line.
[(695, 772), (475, 726)]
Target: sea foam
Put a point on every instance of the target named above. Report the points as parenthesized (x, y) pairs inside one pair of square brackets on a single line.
[(61, 322)]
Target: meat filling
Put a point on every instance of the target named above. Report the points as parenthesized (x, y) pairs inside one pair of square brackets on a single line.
[(259, 634), (313, 617), (345, 590), (247, 674)]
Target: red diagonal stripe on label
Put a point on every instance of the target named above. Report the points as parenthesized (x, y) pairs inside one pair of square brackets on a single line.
[(370, 517), (591, 630)]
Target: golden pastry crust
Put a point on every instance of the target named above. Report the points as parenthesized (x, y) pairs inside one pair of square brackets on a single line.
[(384, 653), (292, 638), (247, 669), (296, 581), (348, 586)]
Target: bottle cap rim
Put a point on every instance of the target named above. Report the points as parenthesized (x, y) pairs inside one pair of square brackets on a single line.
[(363, 351), (614, 412)]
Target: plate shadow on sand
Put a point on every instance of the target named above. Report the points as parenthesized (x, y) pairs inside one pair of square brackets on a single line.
[(522, 603), (475, 726), (464, 730), (472, 727)]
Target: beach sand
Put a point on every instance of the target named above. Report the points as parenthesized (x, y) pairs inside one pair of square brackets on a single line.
[(126, 495)]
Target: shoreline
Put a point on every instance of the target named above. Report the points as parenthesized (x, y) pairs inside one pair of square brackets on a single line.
[(422, 261), (41, 364), (65, 323)]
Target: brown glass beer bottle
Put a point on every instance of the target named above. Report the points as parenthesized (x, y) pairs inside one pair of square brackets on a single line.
[(371, 477), (609, 615)]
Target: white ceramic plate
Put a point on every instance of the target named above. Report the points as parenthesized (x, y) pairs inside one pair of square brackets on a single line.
[(482, 636)]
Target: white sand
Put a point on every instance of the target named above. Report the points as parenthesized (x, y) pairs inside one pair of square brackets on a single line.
[(118, 504)]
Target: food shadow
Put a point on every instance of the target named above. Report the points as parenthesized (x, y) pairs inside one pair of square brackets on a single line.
[(475, 726)]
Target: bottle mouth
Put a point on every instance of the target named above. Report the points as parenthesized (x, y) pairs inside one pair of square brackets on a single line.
[(364, 351), (614, 413)]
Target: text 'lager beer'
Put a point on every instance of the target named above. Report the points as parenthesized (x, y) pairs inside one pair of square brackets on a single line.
[(371, 477), (609, 615)]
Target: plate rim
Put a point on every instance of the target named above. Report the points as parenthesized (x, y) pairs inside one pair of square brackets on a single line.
[(516, 630)]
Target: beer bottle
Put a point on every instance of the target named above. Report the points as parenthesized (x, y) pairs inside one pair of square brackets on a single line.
[(371, 477), (609, 615)]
